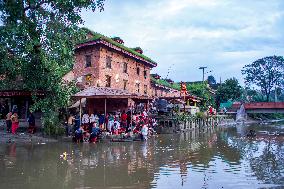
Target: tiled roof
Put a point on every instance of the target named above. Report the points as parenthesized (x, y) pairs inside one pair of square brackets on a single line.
[(106, 92)]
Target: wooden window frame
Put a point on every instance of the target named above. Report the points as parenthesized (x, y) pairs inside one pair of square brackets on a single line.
[(108, 81), (125, 67), (88, 60), (108, 62)]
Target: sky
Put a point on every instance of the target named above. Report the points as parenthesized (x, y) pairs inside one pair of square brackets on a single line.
[(183, 35)]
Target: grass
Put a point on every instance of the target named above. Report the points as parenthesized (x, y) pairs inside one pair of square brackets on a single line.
[(98, 36)]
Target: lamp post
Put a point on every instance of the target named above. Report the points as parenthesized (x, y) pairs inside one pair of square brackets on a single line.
[(202, 68)]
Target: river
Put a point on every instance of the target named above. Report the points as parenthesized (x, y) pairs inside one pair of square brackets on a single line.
[(217, 158)]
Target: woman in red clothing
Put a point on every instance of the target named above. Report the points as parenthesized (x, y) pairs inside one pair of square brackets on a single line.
[(124, 120), (15, 122)]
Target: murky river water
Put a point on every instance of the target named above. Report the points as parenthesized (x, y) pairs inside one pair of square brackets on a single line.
[(219, 158)]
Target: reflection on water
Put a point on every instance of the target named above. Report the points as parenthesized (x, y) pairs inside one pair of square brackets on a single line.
[(215, 158)]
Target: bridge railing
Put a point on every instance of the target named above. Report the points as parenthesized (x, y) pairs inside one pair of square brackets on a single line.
[(264, 105)]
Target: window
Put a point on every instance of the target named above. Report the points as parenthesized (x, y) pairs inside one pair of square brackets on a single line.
[(125, 84), (138, 87), (108, 62), (88, 61), (108, 81), (88, 79), (145, 89), (138, 71), (145, 74), (124, 67)]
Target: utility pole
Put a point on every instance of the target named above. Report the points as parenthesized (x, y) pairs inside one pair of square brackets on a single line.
[(203, 68)]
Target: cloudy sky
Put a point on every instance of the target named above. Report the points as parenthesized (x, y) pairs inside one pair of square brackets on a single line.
[(182, 35)]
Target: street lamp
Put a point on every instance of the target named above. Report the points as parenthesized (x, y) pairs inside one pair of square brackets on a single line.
[(202, 68)]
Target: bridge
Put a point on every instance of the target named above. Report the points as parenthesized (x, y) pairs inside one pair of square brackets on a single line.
[(264, 107)]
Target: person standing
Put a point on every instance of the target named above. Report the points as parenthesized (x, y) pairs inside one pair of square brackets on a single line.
[(70, 124), (110, 123), (31, 120), (15, 122), (85, 121), (102, 121), (123, 119), (9, 122), (144, 132)]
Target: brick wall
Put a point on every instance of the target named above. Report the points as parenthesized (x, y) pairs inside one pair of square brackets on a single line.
[(99, 71), (157, 91)]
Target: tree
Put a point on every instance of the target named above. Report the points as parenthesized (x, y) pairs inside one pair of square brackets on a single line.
[(211, 80), (266, 73), (203, 91), (37, 40), (229, 90)]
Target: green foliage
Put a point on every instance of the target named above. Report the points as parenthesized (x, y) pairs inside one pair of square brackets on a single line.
[(165, 83), (52, 125), (203, 91), (37, 41), (200, 115), (265, 73), (229, 90), (98, 36)]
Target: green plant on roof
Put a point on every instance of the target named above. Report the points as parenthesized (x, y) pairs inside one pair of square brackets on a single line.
[(98, 36), (165, 83)]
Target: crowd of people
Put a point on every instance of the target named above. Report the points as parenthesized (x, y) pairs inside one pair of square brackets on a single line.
[(89, 127)]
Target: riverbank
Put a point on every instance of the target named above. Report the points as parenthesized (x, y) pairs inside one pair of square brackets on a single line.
[(24, 138)]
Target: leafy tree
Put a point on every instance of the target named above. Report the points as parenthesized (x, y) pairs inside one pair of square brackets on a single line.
[(229, 90), (211, 80), (203, 91), (37, 40), (266, 73)]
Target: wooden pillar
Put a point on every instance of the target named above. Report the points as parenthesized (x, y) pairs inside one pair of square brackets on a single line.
[(105, 112), (80, 110), (105, 106), (27, 109)]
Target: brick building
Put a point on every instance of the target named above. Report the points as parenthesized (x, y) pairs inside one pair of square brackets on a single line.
[(106, 62), (103, 62)]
